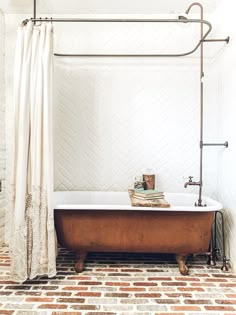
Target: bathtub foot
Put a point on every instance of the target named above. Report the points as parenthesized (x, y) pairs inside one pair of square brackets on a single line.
[(225, 266), (211, 259), (181, 260), (80, 258)]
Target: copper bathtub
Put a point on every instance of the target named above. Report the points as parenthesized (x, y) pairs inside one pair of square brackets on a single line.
[(105, 222)]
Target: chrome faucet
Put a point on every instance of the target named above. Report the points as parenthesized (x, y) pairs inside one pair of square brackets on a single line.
[(190, 182)]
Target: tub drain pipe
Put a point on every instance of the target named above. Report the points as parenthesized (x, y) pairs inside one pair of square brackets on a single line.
[(225, 260)]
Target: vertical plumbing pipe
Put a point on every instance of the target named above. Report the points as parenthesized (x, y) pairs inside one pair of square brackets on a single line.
[(201, 97), (201, 108), (34, 13)]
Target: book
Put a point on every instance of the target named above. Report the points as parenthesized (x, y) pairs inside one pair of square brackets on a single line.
[(159, 203), (143, 202), (148, 198), (148, 193)]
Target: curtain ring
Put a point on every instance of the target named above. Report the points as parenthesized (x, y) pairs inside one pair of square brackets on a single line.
[(40, 21)]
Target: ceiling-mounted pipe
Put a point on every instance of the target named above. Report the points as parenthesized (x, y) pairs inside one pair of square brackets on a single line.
[(35, 8)]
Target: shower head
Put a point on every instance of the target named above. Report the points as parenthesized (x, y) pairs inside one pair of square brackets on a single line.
[(195, 4), (187, 11)]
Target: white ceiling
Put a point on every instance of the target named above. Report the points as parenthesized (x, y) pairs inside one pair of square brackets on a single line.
[(104, 6)]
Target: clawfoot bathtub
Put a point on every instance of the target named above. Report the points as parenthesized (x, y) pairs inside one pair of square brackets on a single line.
[(105, 222)]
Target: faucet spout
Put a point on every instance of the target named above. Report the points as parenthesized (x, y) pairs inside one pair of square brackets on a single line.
[(191, 182)]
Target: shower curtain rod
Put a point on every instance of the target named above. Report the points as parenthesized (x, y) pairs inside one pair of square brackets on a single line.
[(85, 20), (112, 20), (92, 20)]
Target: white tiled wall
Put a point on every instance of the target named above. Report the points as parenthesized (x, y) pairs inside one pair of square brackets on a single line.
[(114, 121), (2, 122)]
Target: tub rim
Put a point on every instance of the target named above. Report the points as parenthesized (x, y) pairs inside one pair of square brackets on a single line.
[(214, 205)]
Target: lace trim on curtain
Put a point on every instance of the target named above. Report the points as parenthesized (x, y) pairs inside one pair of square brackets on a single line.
[(33, 245)]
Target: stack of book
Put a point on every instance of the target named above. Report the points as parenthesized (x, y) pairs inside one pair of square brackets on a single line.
[(148, 194), (148, 198)]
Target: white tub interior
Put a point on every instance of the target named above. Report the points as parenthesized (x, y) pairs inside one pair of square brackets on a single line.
[(108, 200)]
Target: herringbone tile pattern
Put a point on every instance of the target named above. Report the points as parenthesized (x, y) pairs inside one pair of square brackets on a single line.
[(109, 130)]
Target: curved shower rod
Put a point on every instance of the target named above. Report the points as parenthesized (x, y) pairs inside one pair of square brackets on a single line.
[(180, 20)]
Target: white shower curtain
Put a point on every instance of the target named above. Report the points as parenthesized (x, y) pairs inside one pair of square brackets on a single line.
[(32, 237)]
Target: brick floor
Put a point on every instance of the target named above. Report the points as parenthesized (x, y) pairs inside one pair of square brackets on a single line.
[(113, 283)]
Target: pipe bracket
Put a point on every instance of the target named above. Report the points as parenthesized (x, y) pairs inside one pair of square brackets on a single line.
[(216, 40), (225, 144)]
